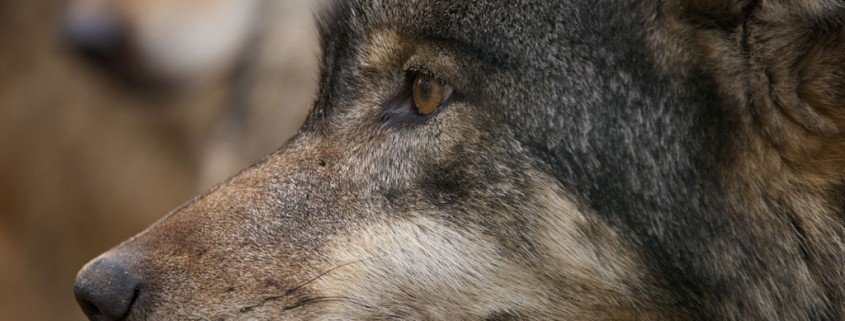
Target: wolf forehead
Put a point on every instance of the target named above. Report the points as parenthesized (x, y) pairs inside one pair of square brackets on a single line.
[(514, 34), (545, 68), (513, 52)]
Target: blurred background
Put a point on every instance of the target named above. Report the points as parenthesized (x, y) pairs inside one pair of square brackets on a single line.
[(114, 112)]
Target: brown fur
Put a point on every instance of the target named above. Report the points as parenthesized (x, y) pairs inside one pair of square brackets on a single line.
[(782, 64), (686, 170)]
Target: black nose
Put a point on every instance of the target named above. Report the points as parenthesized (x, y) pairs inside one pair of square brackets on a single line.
[(106, 288), (96, 33)]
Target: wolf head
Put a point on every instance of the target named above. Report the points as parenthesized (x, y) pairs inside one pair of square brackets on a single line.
[(559, 160)]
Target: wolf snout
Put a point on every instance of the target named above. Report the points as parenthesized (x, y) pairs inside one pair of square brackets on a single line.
[(96, 33), (107, 287)]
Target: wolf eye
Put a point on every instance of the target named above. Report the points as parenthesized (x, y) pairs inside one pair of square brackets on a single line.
[(429, 93)]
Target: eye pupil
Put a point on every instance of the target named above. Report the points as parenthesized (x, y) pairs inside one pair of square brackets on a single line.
[(429, 93), (424, 87)]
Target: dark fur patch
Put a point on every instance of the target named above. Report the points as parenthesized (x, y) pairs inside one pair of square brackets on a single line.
[(677, 128)]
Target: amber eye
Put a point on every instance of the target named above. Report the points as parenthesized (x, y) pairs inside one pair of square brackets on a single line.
[(429, 93)]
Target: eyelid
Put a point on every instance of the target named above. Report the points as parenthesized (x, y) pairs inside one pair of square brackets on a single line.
[(438, 64), (415, 70)]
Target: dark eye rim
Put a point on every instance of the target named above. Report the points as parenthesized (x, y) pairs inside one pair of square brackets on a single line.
[(399, 111)]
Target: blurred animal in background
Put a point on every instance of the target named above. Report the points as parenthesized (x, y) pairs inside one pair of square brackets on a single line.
[(89, 155), (248, 51), (162, 41)]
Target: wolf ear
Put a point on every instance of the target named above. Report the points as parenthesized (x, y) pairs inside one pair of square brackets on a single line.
[(780, 65), (789, 55)]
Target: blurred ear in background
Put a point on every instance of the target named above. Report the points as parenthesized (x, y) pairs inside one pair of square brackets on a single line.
[(113, 112)]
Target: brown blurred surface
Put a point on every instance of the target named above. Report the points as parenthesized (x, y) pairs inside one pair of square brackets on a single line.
[(85, 164)]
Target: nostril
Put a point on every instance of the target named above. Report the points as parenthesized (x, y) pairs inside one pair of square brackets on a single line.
[(95, 33), (105, 289), (88, 308)]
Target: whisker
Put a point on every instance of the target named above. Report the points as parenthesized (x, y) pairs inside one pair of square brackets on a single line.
[(324, 299), (288, 292), (343, 299), (324, 273)]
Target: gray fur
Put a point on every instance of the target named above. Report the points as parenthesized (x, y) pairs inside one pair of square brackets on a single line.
[(602, 160)]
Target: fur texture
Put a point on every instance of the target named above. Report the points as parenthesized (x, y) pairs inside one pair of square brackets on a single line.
[(599, 160)]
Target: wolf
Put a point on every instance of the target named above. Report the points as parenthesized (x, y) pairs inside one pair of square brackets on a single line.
[(528, 160), (237, 75), (154, 42)]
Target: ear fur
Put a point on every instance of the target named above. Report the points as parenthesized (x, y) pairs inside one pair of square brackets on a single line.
[(796, 41), (784, 62)]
